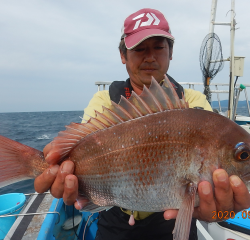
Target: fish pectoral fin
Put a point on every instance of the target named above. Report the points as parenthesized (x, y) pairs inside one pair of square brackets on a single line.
[(184, 217), (93, 208)]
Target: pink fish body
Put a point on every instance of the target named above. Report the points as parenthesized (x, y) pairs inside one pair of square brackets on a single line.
[(148, 153)]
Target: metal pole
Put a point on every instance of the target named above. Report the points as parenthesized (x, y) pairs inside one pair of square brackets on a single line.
[(223, 60), (236, 100), (221, 23), (209, 49), (213, 14), (231, 82), (218, 97), (248, 107), (29, 194)]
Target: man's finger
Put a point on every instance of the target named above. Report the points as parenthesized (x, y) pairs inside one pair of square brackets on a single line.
[(223, 191), (170, 214), (207, 203), (240, 193), (70, 189), (47, 148), (45, 180), (53, 157), (57, 188), (81, 202), (50, 156)]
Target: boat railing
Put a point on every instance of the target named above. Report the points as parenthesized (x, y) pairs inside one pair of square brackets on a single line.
[(103, 84), (31, 214), (217, 91), (192, 85)]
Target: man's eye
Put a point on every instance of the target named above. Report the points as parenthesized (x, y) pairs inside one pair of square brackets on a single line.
[(139, 49), (159, 47)]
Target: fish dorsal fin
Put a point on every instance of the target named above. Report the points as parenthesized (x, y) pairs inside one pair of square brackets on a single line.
[(150, 100), (155, 99), (105, 120), (161, 96), (66, 140), (170, 91), (111, 115), (97, 123), (139, 104), (120, 111), (129, 107)]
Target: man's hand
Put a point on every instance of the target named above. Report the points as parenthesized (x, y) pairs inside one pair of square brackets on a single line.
[(61, 182), (231, 194)]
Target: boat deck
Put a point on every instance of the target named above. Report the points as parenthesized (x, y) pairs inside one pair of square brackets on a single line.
[(28, 227)]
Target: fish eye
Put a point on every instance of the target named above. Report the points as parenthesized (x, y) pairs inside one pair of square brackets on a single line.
[(244, 155), (242, 152)]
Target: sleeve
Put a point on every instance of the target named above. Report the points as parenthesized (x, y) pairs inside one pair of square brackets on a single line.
[(101, 98), (196, 99)]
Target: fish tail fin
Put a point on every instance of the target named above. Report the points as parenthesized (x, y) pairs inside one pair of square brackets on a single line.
[(18, 162)]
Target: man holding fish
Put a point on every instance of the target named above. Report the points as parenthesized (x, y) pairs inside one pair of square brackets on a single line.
[(146, 49)]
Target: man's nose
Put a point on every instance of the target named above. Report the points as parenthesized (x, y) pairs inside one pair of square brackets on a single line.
[(149, 55)]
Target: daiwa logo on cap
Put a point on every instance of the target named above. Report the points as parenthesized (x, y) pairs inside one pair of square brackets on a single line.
[(143, 24), (151, 17)]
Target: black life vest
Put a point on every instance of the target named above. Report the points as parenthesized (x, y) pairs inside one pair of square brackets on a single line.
[(124, 88)]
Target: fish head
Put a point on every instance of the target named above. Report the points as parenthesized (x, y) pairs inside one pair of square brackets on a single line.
[(236, 152)]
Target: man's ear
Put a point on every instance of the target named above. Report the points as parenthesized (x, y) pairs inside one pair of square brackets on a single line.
[(122, 57), (171, 56)]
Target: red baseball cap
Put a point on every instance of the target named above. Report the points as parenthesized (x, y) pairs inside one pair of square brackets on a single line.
[(144, 24)]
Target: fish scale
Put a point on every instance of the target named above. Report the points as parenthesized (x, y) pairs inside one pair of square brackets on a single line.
[(156, 151)]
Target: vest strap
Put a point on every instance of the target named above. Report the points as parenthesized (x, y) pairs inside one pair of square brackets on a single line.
[(124, 88)]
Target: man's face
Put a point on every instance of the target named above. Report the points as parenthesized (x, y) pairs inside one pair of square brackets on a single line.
[(150, 58)]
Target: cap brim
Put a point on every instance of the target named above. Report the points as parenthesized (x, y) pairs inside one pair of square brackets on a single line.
[(133, 40)]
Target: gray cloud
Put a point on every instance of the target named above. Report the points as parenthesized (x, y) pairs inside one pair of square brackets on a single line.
[(51, 53)]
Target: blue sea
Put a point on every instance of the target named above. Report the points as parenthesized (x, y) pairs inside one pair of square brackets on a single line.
[(240, 110), (36, 129)]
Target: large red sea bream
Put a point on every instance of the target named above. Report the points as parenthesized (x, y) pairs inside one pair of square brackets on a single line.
[(148, 153)]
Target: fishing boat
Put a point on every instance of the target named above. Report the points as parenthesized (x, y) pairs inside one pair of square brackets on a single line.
[(238, 225), (44, 217), (41, 216)]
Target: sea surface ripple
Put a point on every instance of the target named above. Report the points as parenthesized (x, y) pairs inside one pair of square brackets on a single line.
[(35, 129)]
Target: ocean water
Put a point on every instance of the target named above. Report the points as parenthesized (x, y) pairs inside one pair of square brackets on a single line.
[(36, 129), (240, 111)]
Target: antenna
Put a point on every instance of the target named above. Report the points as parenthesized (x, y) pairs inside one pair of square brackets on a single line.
[(232, 24)]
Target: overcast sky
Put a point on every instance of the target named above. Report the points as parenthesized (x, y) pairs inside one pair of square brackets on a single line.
[(53, 52)]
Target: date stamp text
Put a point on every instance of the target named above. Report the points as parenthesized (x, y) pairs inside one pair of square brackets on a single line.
[(229, 214)]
